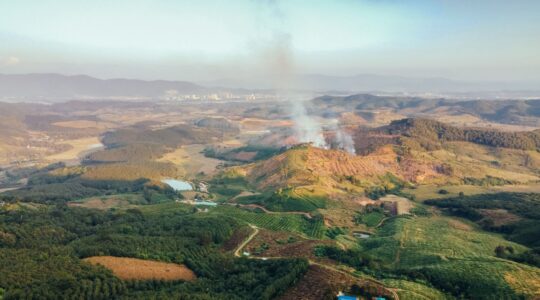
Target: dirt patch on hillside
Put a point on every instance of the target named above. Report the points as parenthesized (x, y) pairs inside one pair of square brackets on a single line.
[(499, 216), (324, 283), (459, 225), (98, 203), (138, 269), (283, 244)]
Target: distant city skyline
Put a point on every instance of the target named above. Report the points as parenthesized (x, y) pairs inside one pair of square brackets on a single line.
[(209, 40)]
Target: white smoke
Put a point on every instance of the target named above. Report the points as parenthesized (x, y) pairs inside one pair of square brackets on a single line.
[(342, 139), (307, 129), (278, 59)]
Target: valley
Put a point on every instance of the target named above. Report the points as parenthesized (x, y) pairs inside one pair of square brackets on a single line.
[(228, 201)]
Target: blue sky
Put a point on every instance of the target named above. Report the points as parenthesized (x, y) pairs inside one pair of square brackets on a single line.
[(205, 40)]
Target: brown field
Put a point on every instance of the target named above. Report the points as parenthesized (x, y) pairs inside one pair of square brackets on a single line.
[(190, 161), (280, 246), (138, 269), (116, 201), (78, 147)]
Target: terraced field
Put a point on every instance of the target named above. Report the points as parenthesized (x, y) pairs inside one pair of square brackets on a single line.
[(313, 228)]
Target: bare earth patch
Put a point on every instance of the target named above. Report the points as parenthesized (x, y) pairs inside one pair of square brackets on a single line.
[(138, 269), (101, 203), (191, 161), (499, 216), (404, 205)]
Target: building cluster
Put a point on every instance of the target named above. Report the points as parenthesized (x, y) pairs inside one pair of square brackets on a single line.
[(221, 96)]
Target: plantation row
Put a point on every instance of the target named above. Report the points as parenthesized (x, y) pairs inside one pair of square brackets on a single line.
[(279, 222)]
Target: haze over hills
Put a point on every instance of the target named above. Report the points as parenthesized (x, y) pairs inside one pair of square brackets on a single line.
[(383, 83), (83, 86), (36, 86)]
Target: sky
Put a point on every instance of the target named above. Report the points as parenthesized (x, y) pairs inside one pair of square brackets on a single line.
[(207, 40)]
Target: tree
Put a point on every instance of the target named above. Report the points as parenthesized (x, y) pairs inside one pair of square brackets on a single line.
[(500, 251)]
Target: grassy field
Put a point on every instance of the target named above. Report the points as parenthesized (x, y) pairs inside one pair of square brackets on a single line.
[(413, 290), (372, 219), (425, 192), (454, 255)]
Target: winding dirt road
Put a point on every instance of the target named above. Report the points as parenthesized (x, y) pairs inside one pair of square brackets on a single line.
[(238, 251)]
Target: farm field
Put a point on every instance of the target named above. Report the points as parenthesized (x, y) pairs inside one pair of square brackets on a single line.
[(139, 269), (108, 202), (191, 162)]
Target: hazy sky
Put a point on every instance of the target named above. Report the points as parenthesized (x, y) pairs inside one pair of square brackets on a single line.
[(205, 40)]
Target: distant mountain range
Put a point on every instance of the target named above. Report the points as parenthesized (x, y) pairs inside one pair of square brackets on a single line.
[(382, 83), (52, 86), (56, 87)]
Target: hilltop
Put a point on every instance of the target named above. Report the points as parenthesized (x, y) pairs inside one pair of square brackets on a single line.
[(406, 153)]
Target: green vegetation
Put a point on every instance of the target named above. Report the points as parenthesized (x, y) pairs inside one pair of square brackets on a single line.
[(415, 290), (313, 227), (333, 232), (390, 184), (40, 253), (429, 133), (370, 215), (487, 181), (285, 200), (524, 230), (73, 188), (446, 253), (261, 153)]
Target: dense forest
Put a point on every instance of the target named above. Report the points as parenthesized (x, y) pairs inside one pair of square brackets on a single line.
[(431, 130), (41, 252), (504, 111)]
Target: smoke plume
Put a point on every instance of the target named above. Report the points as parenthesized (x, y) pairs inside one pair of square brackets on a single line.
[(279, 60), (342, 139)]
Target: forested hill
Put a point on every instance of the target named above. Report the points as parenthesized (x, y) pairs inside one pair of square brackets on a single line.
[(524, 112), (437, 131)]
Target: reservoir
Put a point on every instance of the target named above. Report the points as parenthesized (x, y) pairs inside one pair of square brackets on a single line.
[(178, 185)]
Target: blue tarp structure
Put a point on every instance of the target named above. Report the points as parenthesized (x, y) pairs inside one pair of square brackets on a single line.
[(343, 297)]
